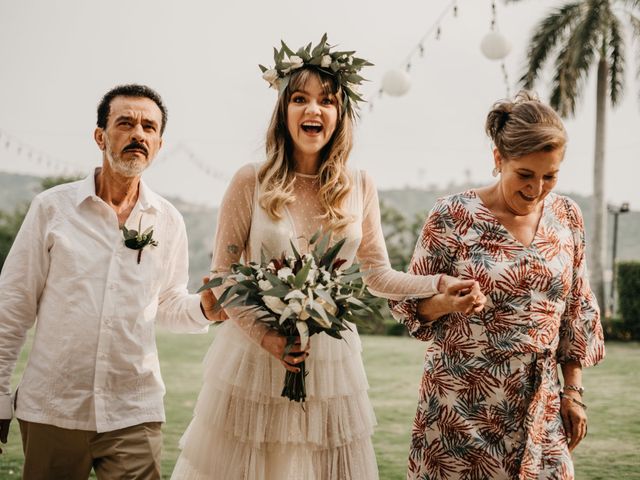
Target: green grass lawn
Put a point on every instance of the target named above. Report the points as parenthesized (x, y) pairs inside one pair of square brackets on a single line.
[(394, 364)]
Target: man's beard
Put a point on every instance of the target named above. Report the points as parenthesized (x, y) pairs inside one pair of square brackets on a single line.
[(126, 168)]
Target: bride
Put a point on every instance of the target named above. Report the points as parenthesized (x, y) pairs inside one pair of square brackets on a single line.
[(242, 428)]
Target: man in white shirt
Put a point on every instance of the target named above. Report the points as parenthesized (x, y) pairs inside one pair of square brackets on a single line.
[(91, 394)]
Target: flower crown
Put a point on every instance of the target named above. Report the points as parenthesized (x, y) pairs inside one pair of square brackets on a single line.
[(341, 65)]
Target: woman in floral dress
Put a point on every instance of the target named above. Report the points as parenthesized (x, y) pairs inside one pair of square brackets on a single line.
[(491, 404)]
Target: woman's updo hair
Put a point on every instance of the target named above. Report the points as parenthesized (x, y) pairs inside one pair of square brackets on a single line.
[(525, 125)]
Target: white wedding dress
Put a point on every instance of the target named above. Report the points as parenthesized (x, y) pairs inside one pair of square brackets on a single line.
[(242, 428)]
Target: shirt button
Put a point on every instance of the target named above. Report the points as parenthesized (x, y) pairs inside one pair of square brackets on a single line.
[(112, 286)]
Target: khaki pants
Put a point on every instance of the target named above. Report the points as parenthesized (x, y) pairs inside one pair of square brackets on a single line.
[(53, 453)]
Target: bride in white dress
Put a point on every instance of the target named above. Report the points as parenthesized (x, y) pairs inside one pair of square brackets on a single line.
[(242, 427)]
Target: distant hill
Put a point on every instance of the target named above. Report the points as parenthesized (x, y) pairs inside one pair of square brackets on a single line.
[(15, 189), (201, 221)]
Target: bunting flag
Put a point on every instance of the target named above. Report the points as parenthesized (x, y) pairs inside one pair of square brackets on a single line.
[(195, 160), (22, 149)]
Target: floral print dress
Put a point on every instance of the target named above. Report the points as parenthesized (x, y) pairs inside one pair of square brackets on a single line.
[(489, 405)]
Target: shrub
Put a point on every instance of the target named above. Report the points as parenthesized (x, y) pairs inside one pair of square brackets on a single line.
[(629, 296)]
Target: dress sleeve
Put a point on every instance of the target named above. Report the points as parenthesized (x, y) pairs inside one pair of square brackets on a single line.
[(581, 337), (372, 254), (232, 236), (433, 254)]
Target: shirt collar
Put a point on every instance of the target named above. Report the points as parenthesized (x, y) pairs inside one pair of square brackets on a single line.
[(146, 197)]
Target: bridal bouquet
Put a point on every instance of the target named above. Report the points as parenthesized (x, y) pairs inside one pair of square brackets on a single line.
[(299, 296)]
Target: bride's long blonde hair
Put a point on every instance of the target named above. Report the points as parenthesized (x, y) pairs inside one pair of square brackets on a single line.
[(277, 175)]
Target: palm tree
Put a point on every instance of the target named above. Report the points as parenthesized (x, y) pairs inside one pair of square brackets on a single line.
[(580, 34)]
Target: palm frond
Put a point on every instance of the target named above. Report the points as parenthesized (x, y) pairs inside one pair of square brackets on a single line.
[(549, 32), (616, 60), (633, 4), (563, 95), (577, 56), (635, 26)]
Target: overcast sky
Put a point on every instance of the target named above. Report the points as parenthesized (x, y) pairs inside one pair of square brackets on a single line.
[(57, 58)]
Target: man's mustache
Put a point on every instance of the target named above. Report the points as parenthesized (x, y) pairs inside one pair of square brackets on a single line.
[(136, 146)]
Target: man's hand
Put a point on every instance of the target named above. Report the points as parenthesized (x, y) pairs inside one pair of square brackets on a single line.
[(208, 302), (4, 430)]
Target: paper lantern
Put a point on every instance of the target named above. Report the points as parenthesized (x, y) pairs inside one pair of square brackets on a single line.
[(396, 83), (495, 46)]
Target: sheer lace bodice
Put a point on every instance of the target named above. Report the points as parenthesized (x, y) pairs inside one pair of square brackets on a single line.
[(244, 228)]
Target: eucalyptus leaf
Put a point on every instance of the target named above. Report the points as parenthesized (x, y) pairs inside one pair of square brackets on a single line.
[(214, 282), (302, 275), (280, 291)]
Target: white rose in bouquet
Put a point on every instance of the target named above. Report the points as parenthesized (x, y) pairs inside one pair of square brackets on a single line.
[(284, 273), (274, 303)]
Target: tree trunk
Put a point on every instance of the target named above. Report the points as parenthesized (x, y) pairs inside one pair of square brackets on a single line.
[(599, 239)]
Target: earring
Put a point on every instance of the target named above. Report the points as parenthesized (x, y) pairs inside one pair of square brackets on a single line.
[(495, 171)]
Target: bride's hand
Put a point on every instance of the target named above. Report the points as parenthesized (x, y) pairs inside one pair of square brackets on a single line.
[(275, 344), (456, 295)]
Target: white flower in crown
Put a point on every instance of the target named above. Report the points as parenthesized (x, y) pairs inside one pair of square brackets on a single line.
[(296, 62), (326, 61), (265, 285), (271, 76)]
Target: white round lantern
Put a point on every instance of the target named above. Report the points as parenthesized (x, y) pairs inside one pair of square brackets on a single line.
[(396, 83), (495, 46)]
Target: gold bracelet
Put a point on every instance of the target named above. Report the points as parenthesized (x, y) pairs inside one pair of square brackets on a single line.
[(577, 402), (575, 388)]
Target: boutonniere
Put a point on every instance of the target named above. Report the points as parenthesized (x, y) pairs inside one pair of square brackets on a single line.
[(137, 240)]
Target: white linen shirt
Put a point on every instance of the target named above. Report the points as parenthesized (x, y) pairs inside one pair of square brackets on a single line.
[(94, 363)]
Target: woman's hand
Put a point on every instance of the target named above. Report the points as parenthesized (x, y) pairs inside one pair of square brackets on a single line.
[(208, 303), (275, 344), (574, 418), (457, 296)]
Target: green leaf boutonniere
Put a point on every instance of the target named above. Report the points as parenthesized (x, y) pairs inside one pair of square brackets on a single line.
[(137, 240)]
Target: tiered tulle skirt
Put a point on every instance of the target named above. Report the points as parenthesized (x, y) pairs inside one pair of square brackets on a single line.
[(244, 430)]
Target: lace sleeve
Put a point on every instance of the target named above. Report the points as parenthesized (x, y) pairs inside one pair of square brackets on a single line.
[(372, 254), (232, 235)]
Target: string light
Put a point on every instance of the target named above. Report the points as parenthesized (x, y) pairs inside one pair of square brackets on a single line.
[(434, 31), (495, 46)]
